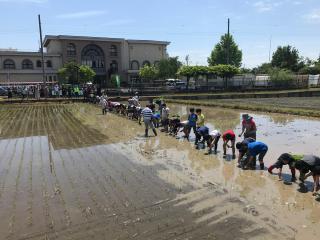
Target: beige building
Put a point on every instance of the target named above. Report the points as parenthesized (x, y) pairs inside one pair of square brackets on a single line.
[(106, 56)]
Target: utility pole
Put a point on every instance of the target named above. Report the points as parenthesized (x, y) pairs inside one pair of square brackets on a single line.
[(42, 54), (228, 43), (270, 49)]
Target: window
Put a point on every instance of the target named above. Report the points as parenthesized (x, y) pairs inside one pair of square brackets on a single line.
[(71, 49), (135, 65), (146, 63), (9, 64), (114, 67), (27, 64), (55, 78), (39, 64), (49, 64), (50, 78), (93, 56), (113, 51)]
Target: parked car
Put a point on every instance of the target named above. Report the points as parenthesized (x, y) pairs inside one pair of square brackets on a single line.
[(3, 91), (176, 84)]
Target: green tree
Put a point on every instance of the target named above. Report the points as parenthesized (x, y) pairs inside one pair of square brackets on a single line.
[(281, 77), (86, 74), (219, 54), (168, 68), (148, 72), (72, 73), (287, 57), (225, 71), (264, 68)]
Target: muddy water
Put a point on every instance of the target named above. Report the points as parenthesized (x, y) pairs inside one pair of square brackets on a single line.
[(67, 172)]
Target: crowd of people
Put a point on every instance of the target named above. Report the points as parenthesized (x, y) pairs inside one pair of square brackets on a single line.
[(157, 114)]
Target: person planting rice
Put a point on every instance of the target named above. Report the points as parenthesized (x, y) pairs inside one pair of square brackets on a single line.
[(201, 136), (192, 123), (255, 149), (308, 166), (147, 119), (213, 139), (286, 159), (229, 136), (249, 128), (242, 148)]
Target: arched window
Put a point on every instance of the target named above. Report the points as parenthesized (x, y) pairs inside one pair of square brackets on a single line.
[(113, 51), (114, 67), (146, 63), (71, 49), (93, 56), (39, 64), (9, 64), (49, 64), (135, 65), (27, 64)]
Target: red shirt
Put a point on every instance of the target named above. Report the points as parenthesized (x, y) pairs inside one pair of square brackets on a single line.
[(249, 125), (230, 133)]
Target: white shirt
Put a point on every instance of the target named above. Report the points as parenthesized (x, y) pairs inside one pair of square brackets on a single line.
[(215, 133), (165, 113)]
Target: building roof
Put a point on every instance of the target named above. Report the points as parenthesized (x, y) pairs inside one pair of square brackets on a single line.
[(48, 38)]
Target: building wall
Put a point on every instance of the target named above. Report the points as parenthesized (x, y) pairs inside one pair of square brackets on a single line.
[(142, 52), (27, 75)]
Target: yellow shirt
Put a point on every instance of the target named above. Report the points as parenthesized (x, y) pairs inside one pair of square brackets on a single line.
[(200, 122)]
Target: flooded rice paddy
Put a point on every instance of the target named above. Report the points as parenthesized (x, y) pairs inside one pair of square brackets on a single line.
[(67, 172)]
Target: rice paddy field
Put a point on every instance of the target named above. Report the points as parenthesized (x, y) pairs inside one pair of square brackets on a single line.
[(68, 172)]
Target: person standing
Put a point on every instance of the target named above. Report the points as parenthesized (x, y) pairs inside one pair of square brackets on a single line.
[(147, 119), (200, 118), (192, 123), (249, 129), (165, 111)]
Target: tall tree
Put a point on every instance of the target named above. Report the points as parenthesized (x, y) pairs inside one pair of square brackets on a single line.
[(287, 57), (168, 68), (219, 54)]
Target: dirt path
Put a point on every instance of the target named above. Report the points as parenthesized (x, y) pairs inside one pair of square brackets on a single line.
[(67, 172)]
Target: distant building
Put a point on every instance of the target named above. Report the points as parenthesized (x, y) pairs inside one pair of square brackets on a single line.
[(106, 56)]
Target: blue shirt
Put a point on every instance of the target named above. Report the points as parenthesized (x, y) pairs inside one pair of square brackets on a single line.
[(203, 131), (255, 148), (192, 118), (156, 116)]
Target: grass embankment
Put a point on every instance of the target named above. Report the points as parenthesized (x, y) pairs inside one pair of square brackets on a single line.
[(251, 107)]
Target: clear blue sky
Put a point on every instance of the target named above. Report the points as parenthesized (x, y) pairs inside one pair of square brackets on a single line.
[(192, 26)]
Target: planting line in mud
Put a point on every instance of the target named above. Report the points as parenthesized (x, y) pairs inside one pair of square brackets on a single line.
[(135, 174), (13, 219), (53, 181), (152, 171)]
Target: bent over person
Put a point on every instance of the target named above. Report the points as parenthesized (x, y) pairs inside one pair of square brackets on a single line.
[(147, 119), (286, 159), (308, 166)]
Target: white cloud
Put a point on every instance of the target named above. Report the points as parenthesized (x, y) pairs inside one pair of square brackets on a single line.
[(24, 1), (265, 6), (118, 22), (81, 14), (313, 16)]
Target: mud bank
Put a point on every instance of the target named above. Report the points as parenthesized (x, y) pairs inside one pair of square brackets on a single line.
[(253, 105), (67, 172)]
